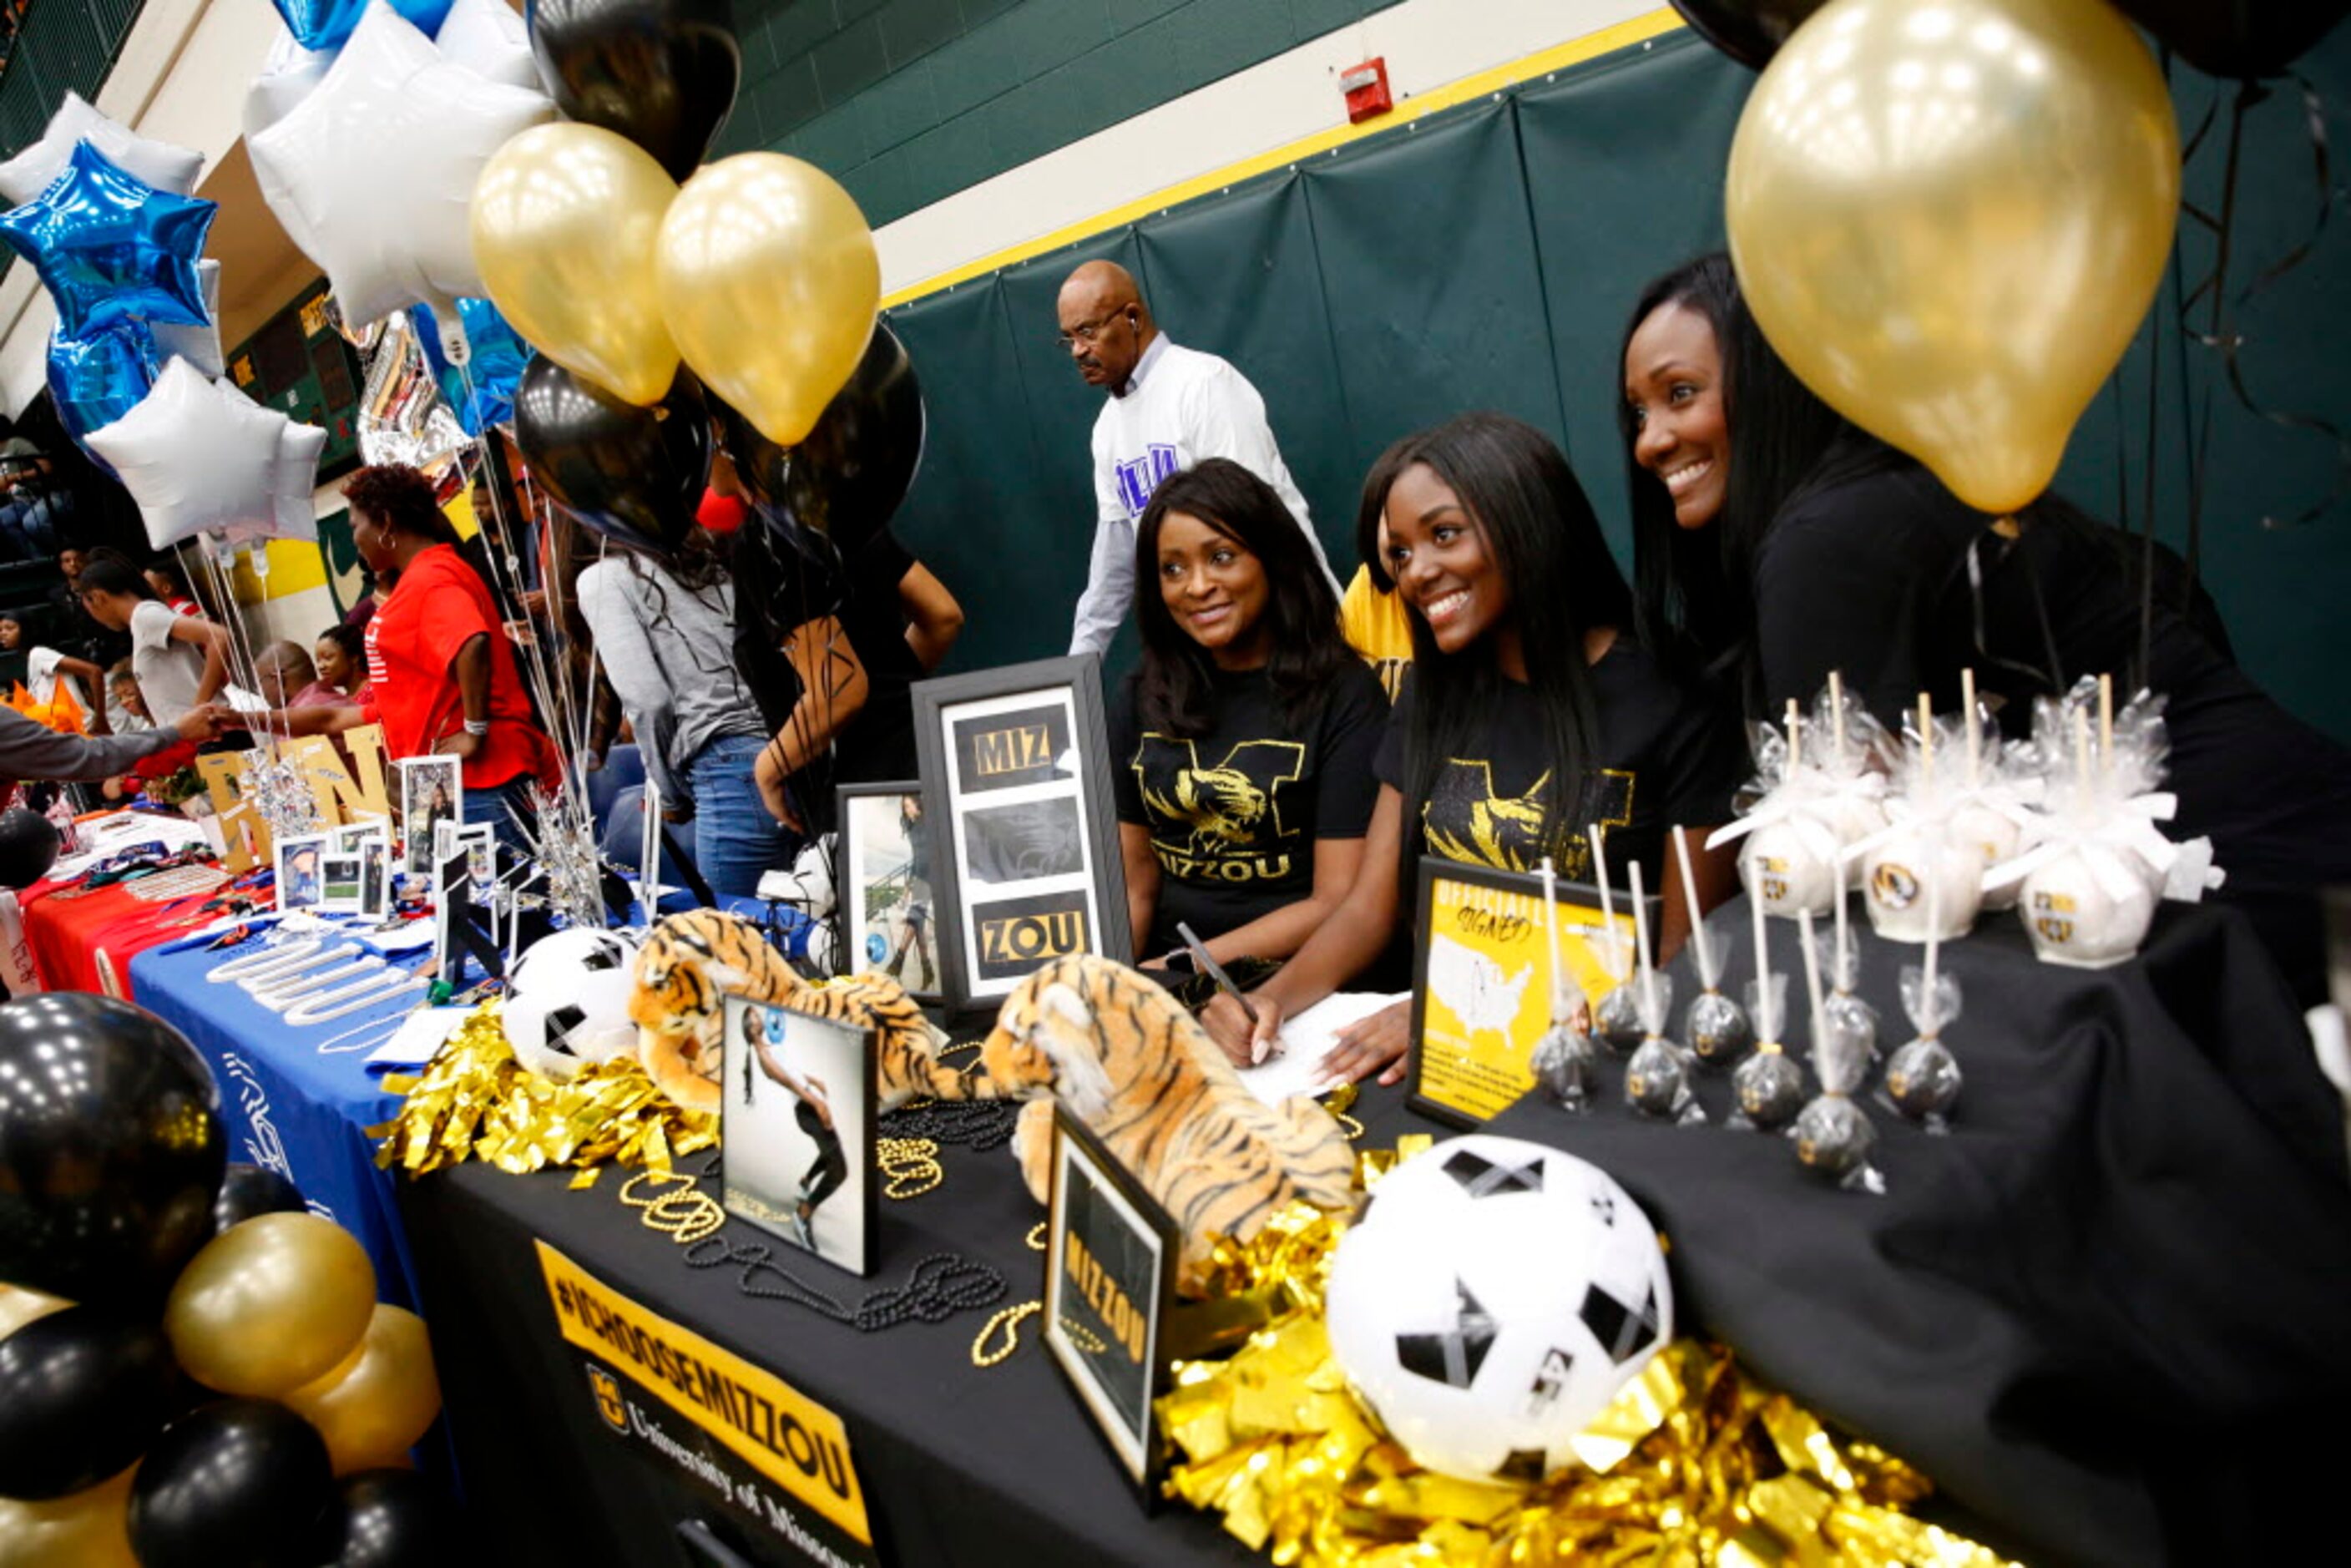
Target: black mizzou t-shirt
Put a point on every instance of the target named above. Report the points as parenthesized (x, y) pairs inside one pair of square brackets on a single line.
[(1234, 814), (1665, 755)]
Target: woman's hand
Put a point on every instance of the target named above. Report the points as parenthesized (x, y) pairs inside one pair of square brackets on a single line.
[(1230, 1028), (1381, 1040), (464, 746), (769, 776)]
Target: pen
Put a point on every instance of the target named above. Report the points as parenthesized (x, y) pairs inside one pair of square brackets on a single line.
[(1215, 971)]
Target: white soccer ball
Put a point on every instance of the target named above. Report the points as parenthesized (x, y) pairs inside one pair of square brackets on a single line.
[(568, 1002), (1494, 1298)]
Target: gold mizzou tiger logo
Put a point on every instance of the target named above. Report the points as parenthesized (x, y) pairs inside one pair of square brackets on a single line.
[(1223, 821), (1465, 821)]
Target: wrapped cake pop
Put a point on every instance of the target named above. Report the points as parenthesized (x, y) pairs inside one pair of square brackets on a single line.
[(1563, 1060), (1817, 790), (1922, 1078), (1656, 1081), (1995, 795), (1834, 1135), (1915, 863), (1843, 1013), (2098, 862), (1716, 1026), (1768, 1088), (1617, 1016)]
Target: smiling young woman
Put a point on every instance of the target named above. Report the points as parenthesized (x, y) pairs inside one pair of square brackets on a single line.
[(1530, 711), (1245, 740)]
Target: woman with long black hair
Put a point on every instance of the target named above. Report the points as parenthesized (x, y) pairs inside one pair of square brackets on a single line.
[(1530, 712), (1859, 560), (1244, 743)]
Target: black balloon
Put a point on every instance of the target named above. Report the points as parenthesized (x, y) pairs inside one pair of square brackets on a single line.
[(28, 846), (634, 473), (2238, 37), (661, 73), (111, 1147), (83, 1392), (247, 1190), (239, 1480), (846, 480), (1749, 31), (387, 1519)]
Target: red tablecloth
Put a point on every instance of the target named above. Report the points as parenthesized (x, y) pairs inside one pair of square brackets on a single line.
[(86, 944)]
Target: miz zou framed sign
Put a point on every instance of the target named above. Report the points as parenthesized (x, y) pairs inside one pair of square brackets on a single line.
[(1024, 856)]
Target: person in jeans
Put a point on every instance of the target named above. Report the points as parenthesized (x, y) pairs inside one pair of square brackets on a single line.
[(664, 634)]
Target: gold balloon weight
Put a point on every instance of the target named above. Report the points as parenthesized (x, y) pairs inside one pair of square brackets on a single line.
[(1950, 216)]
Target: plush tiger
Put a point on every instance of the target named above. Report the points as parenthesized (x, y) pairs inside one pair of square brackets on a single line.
[(689, 960), (1136, 1068)]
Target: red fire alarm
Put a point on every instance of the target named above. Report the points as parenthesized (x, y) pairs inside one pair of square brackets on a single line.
[(1366, 87)]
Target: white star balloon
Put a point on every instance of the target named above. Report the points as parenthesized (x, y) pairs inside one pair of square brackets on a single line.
[(196, 453), (290, 75), (372, 173), (159, 164), (487, 37)]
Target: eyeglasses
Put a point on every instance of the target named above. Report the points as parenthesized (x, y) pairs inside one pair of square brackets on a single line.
[(1086, 331)]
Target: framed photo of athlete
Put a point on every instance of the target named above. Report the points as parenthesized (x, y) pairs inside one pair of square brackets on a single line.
[(888, 908), (1023, 829), (301, 876), (1481, 992), (1110, 1280), (797, 1106)]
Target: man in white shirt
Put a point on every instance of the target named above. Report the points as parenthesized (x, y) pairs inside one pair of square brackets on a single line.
[(1168, 408)]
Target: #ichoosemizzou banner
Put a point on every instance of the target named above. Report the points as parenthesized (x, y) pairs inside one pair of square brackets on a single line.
[(724, 1422)]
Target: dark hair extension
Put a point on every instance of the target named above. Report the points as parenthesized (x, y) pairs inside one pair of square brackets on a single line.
[(1696, 602), (401, 499), (1545, 543), (1302, 615)]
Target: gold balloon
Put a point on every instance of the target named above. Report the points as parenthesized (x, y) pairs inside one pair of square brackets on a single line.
[(769, 283), (565, 220), (19, 1306), (270, 1304), (374, 1406), (91, 1529), (1950, 217)]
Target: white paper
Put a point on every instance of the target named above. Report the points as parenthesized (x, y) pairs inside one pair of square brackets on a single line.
[(1306, 1040), (419, 1038)]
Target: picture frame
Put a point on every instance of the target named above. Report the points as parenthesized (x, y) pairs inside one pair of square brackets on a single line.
[(431, 791), (349, 837), (301, 882), (886, 903), (1024, 860), (465, 858), (797, 1111), (377, 868), (341, 886), (1110, 1258), (1482, 981)]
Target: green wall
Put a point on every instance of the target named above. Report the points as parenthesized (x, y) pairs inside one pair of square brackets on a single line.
[(905, 101), (1486, 257)]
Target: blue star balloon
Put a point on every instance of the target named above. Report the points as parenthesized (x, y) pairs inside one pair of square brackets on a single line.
[(498, 357), (111, 247), (327, 24), (97, 380)]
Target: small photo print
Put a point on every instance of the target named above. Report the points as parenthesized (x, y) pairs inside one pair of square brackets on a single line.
[(891, 908), (796, 1129), (1034, 838), (375, 876), (1003, 750), (1106, 1263), (347, 839), (300, 874), (431, 791), (1014, 937), (340, 876)]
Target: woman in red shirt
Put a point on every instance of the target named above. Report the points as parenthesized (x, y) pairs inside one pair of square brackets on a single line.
[(441, 675)]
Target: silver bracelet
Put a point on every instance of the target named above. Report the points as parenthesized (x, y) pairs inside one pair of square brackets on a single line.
[(477, 726)]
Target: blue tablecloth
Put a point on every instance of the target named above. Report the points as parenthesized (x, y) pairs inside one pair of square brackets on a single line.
[(286, 1106)]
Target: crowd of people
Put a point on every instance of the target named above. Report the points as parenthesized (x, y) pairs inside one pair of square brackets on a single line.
[(1491, 688)]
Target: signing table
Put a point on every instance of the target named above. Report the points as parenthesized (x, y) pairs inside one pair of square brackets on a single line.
[(2090, 1311)]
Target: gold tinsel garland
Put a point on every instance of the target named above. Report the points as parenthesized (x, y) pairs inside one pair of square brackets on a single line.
[(474, 1100), (1694, 1463)]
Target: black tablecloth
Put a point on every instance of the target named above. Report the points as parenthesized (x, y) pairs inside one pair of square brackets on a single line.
[(2092, 1310), (2088, 1313)]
